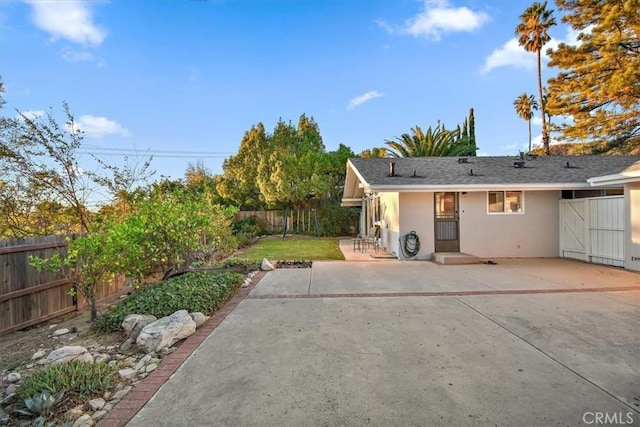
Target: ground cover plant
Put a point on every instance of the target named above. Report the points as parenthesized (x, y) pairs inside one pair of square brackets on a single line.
[(294, 248), (197, 291)]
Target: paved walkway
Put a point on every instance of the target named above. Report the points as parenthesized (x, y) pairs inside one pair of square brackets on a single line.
[(524, 342)]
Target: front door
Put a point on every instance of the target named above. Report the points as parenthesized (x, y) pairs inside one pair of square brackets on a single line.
[(446, 222)]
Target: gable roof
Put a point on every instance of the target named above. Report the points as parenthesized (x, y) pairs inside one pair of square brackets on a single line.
[(478, 173)]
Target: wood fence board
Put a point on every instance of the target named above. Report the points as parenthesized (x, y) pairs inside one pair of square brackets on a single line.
[(29, 296)]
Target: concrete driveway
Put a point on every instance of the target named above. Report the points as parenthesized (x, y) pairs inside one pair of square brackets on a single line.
[(530, 343)]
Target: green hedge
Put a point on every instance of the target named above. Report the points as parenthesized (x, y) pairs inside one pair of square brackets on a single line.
[(202, 291)]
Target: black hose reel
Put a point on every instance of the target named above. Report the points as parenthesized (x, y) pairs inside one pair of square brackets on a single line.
[(410, 244)]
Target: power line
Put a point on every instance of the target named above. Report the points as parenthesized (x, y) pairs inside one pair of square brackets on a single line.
[(157, 156), (156, 153)]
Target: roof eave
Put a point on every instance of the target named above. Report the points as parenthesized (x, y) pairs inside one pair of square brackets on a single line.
[(479, 187), (615, 179)]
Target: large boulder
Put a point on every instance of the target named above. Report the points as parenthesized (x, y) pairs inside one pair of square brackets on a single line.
[(134, 323), (68, 354), (266, 265), (165, 332)]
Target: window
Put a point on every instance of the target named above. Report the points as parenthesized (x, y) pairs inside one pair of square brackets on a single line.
[(505, 202)]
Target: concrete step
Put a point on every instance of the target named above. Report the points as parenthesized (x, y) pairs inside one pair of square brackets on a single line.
[(454, 258)]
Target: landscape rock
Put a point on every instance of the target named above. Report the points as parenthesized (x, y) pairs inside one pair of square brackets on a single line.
[(166, 331), (122, 393), (59, 332), (97, 404), (84, 421), (4, 418), (11, 389), (73, 413), (99, 414), (151, 367), (39, 354), (69, 353), (127, 373), (134, 323), (12, 377), (266, 265), (198, 318), (127, 344)]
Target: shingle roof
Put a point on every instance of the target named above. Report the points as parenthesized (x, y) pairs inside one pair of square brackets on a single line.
[(437, 171)]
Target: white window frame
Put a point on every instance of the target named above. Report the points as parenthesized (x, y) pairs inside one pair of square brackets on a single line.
[(504, 195)]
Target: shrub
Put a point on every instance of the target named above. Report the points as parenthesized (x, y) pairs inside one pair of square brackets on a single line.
[(199, 291), (246, 229), (73, 377), (337, 221)]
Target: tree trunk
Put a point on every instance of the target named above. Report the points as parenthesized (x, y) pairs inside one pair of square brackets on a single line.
[(529, 135), (545, 134)]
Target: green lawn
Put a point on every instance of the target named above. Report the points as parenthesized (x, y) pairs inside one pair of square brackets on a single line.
[(294, 248)]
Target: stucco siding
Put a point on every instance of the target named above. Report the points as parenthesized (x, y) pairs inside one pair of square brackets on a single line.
[(534, 233), (389, 210), (416, 214), (632, 209)]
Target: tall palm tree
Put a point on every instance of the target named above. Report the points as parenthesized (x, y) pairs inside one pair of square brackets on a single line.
[(533, 33), (524, 105), (433, 142)]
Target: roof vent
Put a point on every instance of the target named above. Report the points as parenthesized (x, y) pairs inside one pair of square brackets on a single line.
[(463, 160), (392, 169), (471, 172), (570, 166), (522, 155), (532, 156), (519, 164)]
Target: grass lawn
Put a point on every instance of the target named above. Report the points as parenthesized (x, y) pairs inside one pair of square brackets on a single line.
[(294, 248)]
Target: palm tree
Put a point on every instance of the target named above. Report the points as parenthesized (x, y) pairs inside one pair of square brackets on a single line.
[(524, 105), (533, 33), (433, 142)]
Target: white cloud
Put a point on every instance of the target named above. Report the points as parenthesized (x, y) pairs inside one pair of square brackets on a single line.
[(71, 20), (94, 126), (30, 114), (511, 54), (439, 17), (536, 120), (365, 97), (71, 55)]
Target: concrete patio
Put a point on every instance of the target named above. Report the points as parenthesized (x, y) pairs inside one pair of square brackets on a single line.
[(523, 342)]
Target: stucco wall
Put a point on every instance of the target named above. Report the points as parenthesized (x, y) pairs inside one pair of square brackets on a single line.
[(416, 214), (534, 233), (389, 210), (632, 215)]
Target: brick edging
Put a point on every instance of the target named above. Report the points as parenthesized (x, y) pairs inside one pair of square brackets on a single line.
[(129, 406)]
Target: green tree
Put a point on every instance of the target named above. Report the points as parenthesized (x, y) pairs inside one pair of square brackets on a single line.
[(533, 34), (524, 105), (238, 182), (466, 134), (373, 153), (433, 142), (291, 175), (597, 85), (88, 264)]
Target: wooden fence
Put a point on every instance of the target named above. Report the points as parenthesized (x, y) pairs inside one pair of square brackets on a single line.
[(299, 221), (29, 296)]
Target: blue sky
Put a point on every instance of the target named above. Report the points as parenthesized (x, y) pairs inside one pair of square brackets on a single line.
[(184, 79)]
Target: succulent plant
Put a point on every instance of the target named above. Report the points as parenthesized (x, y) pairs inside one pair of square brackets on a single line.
[(40, 405)]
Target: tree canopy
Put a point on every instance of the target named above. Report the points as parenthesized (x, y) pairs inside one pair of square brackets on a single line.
[(286, 168), (525, 104), (434, 142), (598, 85)]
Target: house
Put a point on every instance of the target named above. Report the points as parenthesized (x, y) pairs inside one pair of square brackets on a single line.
[(584, 207)]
